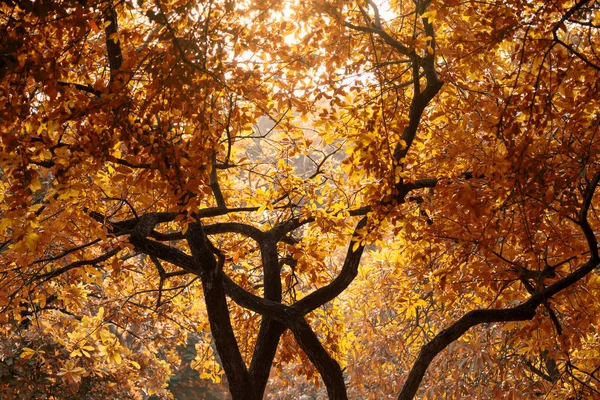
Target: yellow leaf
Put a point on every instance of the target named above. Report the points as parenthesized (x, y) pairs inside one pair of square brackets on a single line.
[(522, 350), (68, 194), (429, 16), (85, 350), (46, 154), (31, 240), (71, 373), (35, 185), (21, 59), (27, 353), (41, 300)]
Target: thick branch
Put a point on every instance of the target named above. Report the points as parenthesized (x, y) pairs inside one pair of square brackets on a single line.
[(240, 385), (522, 312), (328, 368), (420, 99), (235, 227), (126, 226), (280, 312), (341, 282), (583, 222), (264, 352), (525, 311), (214, 185), (128, 164), (164, 252), (417, 106), (113, 49), (270, 330)]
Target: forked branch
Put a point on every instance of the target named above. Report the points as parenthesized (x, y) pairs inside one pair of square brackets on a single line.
[(523, 312)]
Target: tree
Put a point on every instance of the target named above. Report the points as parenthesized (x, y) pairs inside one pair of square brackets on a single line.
[(388, 198)]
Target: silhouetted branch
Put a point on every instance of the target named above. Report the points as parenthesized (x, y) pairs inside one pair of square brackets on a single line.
[(523, 312)]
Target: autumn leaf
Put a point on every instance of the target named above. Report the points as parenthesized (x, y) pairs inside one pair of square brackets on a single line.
[(111, 351), (29, 353), (94, 26), (71, 373), (370, 199), (31, 240), (82, 351)]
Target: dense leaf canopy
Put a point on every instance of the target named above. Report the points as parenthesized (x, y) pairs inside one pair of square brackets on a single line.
[(364, 199)]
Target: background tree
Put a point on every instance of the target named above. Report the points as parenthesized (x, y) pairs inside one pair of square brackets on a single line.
[(387, 198)]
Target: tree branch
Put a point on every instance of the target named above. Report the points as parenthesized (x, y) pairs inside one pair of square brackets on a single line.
[(66, 252), (341, 282), (270, 330), (59, 271), (576, 7), (214, 184), (83, 88), (523, 312), (240, 384), (583, 222), (287, 315), (235, 227), (113, 49), (164, 252), (328, 368)]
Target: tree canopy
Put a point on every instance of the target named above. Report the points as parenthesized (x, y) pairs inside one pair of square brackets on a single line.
[(368, 199)]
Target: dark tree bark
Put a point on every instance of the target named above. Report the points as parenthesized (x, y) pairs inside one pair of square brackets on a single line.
[(240, 384)]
